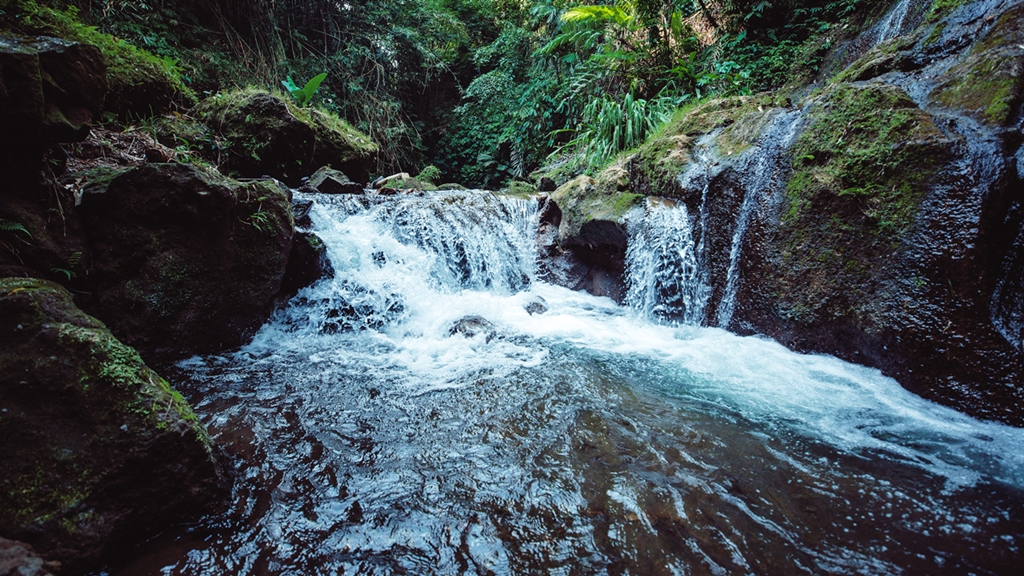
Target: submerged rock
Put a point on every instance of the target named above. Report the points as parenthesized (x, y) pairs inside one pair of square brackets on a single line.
[(185, 261), (536, 305), (97, 451), (473, 326)]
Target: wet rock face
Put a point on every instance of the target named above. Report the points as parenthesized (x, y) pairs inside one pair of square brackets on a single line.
[(989, 83), (97, 452), (185, 261), (50, 90), (891, 266), (307, 263)]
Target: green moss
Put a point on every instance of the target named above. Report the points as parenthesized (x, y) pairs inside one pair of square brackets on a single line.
[(942, 8), (522, 189), (335, 133), (77, 399), (986, 87), (622, 202), (128, 67), (861, 168), (665, 154), (409, 184), (989, 83), (935, 34)]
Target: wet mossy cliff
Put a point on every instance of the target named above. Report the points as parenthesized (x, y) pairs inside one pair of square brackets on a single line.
[(876, 215), (111, 264)]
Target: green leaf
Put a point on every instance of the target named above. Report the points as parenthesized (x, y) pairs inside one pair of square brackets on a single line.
[(312, 86)]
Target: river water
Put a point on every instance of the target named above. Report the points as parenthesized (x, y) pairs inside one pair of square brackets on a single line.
[(371, 437)]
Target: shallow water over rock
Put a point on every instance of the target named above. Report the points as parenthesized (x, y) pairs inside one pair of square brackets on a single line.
[(584, 440)]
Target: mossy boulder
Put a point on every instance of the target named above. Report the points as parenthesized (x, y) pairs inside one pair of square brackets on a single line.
[(185, 260), (989, 82), (140, 84), (97, 451), (259, 134), (655, 168), (584, 199), (50, 90)]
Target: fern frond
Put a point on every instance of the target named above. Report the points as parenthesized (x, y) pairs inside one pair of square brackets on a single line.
[(11, 226)]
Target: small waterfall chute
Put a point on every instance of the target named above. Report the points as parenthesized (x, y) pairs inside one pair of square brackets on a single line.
[(664, 276)]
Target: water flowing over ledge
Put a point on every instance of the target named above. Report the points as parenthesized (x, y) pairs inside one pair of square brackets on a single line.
[(565, 434)]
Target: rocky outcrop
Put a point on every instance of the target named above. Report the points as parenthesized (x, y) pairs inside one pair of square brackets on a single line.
[(307, 263), (881, 221), (252, 133), (50, 91), (97, 451), (589, 250), (184, 260)]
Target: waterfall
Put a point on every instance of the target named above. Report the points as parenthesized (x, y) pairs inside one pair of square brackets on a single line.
[(891, 25), (764, 178), (560, 433), (666, 261), (387, 253), (664, 276)]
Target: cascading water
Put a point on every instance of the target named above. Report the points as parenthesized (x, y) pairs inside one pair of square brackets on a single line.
[(664, 275), (581, 440), (770, 161)]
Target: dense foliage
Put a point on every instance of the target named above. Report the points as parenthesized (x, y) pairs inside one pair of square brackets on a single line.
[(489, 90)]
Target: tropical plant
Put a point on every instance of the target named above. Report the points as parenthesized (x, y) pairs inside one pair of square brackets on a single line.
[(11, 226), (611, 125), (305, 94)]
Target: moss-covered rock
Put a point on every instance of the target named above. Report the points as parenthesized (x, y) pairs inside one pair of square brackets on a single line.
[(989, 82), (185, 260), (50, 90), (97, 451), (259, 134), (663, 157), (861, 168), (140, 84)]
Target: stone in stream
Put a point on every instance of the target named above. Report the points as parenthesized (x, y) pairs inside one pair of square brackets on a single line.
[(326, 180), (536, 305), (473, 326), (97, 451)]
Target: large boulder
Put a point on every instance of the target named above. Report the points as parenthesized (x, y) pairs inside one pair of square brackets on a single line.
[(184, 260), (50, 90), (97, 451), (590, 251), (258, 134)]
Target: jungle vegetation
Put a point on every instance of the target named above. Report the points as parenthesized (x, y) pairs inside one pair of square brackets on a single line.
[(486, 90)]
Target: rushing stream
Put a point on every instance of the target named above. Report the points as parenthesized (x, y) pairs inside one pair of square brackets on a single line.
[(371, 437)]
